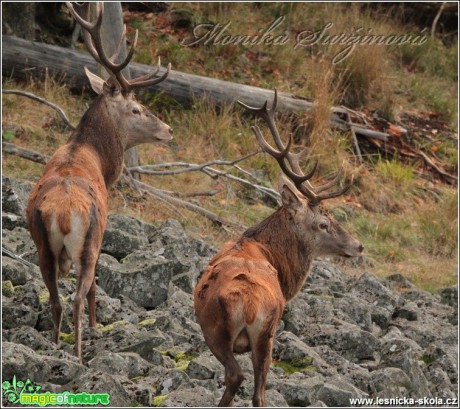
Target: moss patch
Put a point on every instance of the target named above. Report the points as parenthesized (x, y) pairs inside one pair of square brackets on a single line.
[(148, 322), (7, 288), (158, 400), (114, 325), (298, 365), (67, 338)]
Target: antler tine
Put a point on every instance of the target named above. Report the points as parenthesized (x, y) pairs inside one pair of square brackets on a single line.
[(337, 193), (93, 42), (293, 171), (280, 156), (145, 80)]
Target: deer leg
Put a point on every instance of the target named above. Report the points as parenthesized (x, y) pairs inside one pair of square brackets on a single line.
[(49, 271), (91, 298), (261, 345), (222, 348), (86, 278)]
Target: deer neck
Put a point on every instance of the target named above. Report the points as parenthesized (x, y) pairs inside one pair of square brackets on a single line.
[(291, 258), (97, 130)]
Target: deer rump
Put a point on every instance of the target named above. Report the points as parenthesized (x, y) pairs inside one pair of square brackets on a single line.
[(67, 210), (239, 297)]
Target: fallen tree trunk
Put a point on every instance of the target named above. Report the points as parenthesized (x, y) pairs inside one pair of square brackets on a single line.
[(22, 59)]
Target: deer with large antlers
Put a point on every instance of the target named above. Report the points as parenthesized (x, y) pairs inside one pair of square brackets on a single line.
[(240, 298), (67, 208)]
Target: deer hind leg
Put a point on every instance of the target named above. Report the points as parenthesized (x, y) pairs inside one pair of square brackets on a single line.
[(86, 278), (223, 351), (49, 270), (49, 267), (261, 336), (91, 298)]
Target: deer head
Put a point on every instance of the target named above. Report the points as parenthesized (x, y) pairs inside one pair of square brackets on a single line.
[(135, 123), (311, 223)]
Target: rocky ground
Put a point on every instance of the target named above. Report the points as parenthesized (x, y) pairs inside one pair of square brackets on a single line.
[(343, 337)]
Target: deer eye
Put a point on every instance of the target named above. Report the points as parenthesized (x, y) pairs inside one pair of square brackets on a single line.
[(136, 111), (323, 226)]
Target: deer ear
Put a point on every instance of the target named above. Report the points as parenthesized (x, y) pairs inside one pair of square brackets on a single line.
[(289, 195), (96, 82), (111, 87)]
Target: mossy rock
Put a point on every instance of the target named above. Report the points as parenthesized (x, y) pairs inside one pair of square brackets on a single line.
[(304, 364), (158, 400), (148, 322), (112, 326), (7, 288)]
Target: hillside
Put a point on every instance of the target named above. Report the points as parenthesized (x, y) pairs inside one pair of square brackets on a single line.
[(403, 211)]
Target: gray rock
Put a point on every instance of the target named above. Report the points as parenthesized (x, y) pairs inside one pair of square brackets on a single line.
[(399, 352), (203, 367), (11, 220), (347, 339), (125, 234), (449, 296), (30, 337), (172, 380), (391, 382), (196, 396), (144, 277), (14, 271), (16, 240), (291, 349), (335, 395), (301, 392), (23, 362), (16, 314), (15, 194), (274, 399), (128, 364), (382, 301), (94, 381), (409, 311)]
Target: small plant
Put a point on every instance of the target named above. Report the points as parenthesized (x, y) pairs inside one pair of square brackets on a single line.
[(296, 365), (438, 226)]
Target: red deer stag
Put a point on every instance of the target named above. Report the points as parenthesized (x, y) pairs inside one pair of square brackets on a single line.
[(67, 208), (240, 298)]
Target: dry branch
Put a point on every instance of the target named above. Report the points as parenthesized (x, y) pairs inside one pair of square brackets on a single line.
[(43, 101), (16, 150), (22, 58), (159, 194)]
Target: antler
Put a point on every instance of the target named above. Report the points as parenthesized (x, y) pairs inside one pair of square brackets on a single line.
[(93, 41), (293, 171)]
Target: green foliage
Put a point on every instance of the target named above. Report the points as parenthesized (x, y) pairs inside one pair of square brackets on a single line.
[(298, 365), (67, 338), (398, 174), (8, 135)]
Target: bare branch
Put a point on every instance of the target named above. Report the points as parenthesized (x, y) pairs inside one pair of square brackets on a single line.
[(13, 149), (212, 172), (9, 253), (161, 195), (43, 101)]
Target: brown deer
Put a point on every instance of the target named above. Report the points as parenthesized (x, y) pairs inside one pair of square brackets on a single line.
[(240, 298), (67, 208)]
